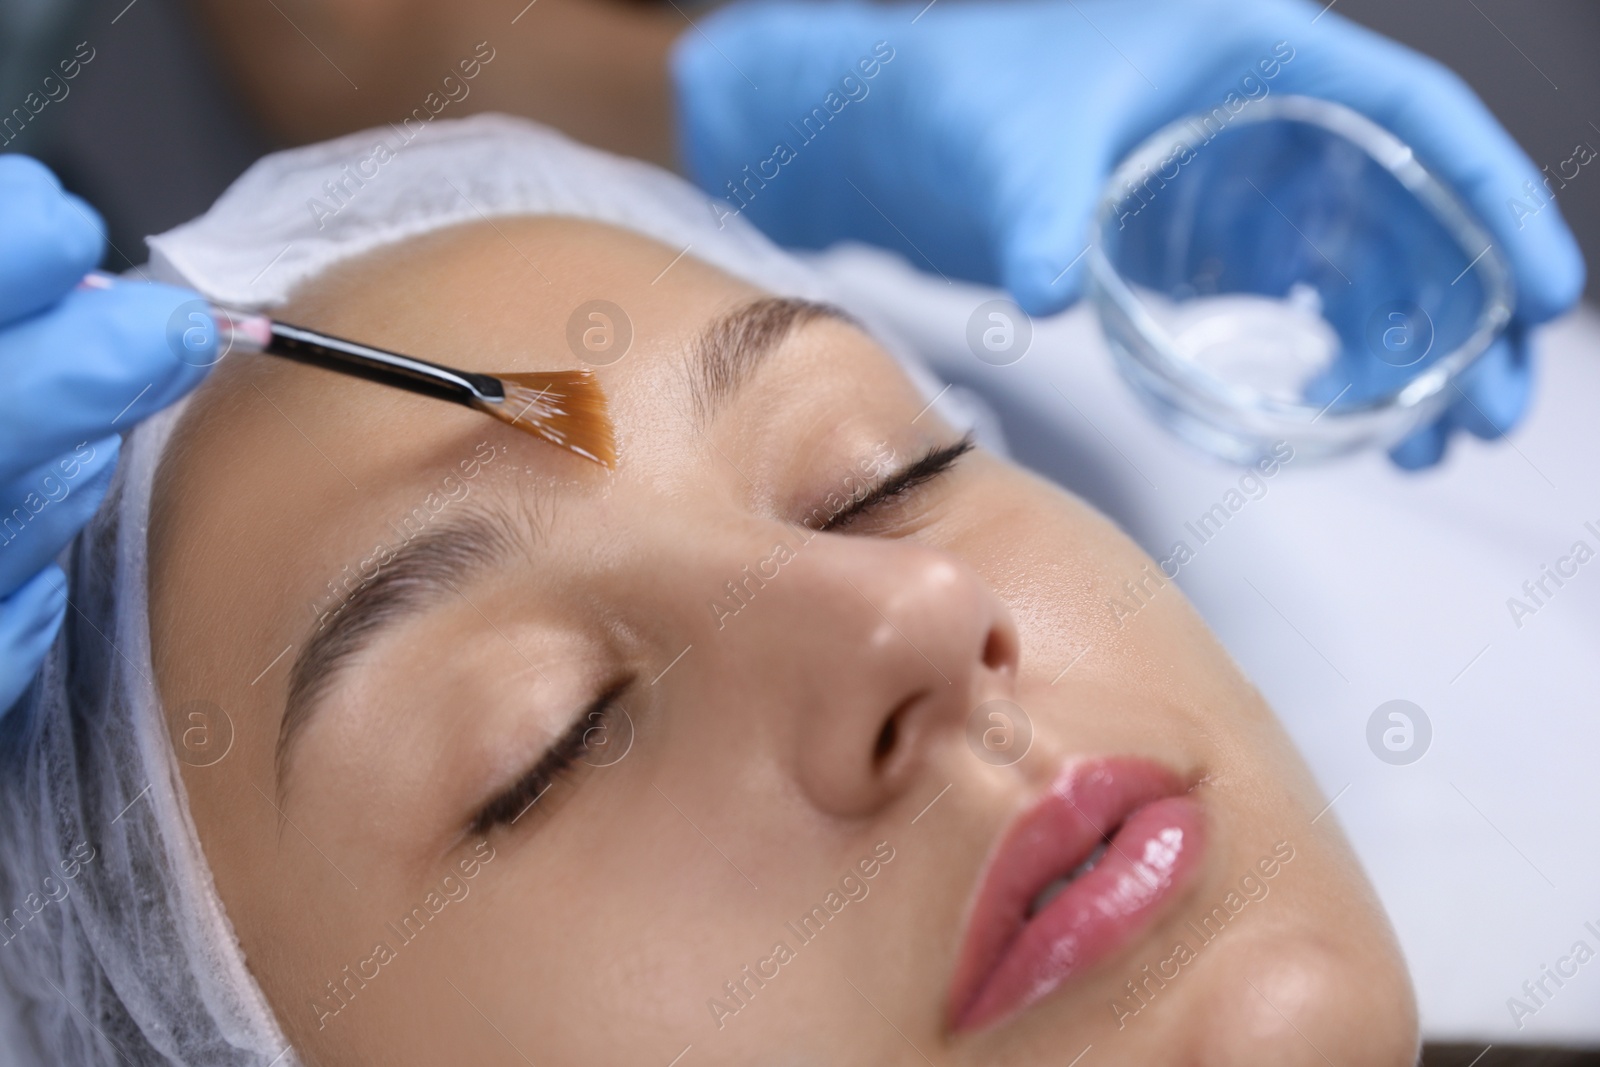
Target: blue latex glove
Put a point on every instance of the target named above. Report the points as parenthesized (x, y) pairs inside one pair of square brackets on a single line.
[(975, 137), (78, 366)]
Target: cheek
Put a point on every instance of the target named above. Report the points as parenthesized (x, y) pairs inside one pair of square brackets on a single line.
[(1048, 555), (1083, 593)]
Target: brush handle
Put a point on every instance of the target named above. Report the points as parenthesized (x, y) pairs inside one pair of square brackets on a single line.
[(382, 366), (242, 331)]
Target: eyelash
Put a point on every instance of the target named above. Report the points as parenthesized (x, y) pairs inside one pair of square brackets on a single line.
[(558, 761), (935, 462)]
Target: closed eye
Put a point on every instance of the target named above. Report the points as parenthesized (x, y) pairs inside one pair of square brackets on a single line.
[(934, 462), (555, 762)]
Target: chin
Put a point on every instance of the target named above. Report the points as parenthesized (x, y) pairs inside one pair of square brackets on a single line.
[(1289, 1000)]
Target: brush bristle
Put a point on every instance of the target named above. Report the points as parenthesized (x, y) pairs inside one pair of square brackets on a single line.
[(565, 408)]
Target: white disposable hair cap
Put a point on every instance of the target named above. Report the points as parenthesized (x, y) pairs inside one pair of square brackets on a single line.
[(116, 947)]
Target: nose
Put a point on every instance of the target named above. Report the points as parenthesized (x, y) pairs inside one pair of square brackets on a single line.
[(886, 648)]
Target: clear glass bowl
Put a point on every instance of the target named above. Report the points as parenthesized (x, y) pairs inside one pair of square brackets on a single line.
[(1291, 274)]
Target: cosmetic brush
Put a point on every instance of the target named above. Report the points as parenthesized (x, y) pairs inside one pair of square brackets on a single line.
[(565, 408)]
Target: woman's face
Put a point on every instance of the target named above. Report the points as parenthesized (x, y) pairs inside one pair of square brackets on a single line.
[(797, 738)]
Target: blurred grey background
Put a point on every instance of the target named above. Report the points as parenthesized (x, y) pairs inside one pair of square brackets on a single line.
[(152, 131)]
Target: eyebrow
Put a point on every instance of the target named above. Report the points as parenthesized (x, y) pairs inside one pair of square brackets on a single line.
[(733, 346), (429, 568)]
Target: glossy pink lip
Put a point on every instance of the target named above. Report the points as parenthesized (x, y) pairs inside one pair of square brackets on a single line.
[(1009, 959)]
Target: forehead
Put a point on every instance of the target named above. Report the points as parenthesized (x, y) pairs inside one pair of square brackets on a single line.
[(522, 294), (508, 295), (500, 294)]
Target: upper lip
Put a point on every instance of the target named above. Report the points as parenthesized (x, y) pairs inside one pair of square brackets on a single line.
[(1085, 806)]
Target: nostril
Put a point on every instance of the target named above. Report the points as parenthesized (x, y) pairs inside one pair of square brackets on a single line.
[(997, 651), (892, 734), (887, 738)]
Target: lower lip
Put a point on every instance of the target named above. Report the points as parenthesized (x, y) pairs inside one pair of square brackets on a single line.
[(1150, 861)]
